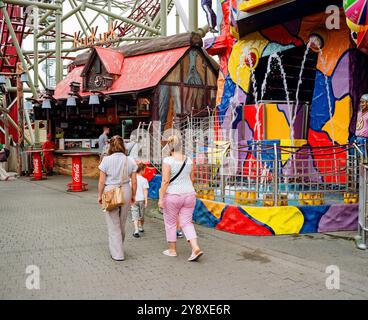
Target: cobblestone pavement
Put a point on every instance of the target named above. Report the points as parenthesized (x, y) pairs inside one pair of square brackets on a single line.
[(64, 234)]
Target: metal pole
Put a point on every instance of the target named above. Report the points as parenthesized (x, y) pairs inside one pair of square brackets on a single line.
[(193, 15), (35, 47), (276, 176), (6, 123), (177, 20), (58, 45), (20, 145), (163, 17)]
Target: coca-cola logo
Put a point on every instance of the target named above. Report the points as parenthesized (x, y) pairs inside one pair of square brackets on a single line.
[(36, 166), (76, 172)]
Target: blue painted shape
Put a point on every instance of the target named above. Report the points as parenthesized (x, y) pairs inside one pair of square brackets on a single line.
[(154, 186), (320, 114), (312, 216), (268, 153), (229, 91), (273, 47), (202, 216)]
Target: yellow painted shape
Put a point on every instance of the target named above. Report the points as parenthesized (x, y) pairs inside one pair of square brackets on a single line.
[(250, 5), (285, 155), (282, 220), (239, 72), (340, 121), (276, 124), (215, 208)]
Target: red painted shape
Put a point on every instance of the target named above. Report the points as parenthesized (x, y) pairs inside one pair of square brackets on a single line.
[(137, 73), (250, 115), (236, 222), (281, 35), (112, 59), (362, 41), (251, 59), (332, 161)]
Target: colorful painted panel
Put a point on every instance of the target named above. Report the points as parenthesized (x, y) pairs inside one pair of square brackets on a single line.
[(264, 221)]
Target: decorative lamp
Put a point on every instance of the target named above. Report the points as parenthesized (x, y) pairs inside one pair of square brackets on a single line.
[(24, 77), (2, 79), (93, 99), (71, 102), (46, 104), (28, 105)]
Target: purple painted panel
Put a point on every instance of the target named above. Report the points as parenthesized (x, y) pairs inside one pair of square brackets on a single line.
[(298, 123), (340, 217), (341, 77)]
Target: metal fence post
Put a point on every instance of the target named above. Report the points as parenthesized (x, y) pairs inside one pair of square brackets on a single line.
[(276, 175)]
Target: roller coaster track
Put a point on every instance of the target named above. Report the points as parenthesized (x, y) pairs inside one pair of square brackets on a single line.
[(8, 54), (147, 13)]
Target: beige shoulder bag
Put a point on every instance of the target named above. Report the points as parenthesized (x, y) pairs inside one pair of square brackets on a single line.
[(114, 198)]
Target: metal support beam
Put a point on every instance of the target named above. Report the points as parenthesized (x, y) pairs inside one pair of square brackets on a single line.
[(58, 44), (180, 10), (25, 3), (63, 18), (35, 46), (80, 17), (193, 15), (20, 145), (17, 48), (163, 17), (121, 18), (45, 16), (51, 51), (177, 22)]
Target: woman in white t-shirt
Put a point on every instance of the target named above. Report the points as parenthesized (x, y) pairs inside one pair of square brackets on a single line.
[(177, 198), (111, 176)]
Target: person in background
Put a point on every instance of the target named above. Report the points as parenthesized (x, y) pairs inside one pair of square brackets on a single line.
[(210, 15), (177, 198), (4, 154), (48, 156), (103, 139), (141, 201), (112, 175)]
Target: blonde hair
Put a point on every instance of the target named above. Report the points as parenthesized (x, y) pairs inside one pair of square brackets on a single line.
[(174, 143), (116, 145)]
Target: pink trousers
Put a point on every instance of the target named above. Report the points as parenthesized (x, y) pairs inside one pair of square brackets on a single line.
[(179, 208)]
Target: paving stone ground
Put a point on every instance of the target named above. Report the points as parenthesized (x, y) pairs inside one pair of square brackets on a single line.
[(65, 235)]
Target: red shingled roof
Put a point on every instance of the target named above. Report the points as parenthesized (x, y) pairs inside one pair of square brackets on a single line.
[(137, 72), (112, 59)]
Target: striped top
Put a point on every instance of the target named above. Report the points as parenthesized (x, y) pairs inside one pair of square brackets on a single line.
[(112, 167), (183, 183)]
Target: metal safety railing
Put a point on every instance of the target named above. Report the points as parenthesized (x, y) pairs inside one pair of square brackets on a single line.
[(272, 175), (361, 238)]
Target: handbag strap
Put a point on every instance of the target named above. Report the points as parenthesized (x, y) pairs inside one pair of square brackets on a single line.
[(180, 171), (124, 171)]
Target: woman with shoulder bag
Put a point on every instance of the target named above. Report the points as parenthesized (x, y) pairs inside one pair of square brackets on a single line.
[(177, 199), (116, 170)]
